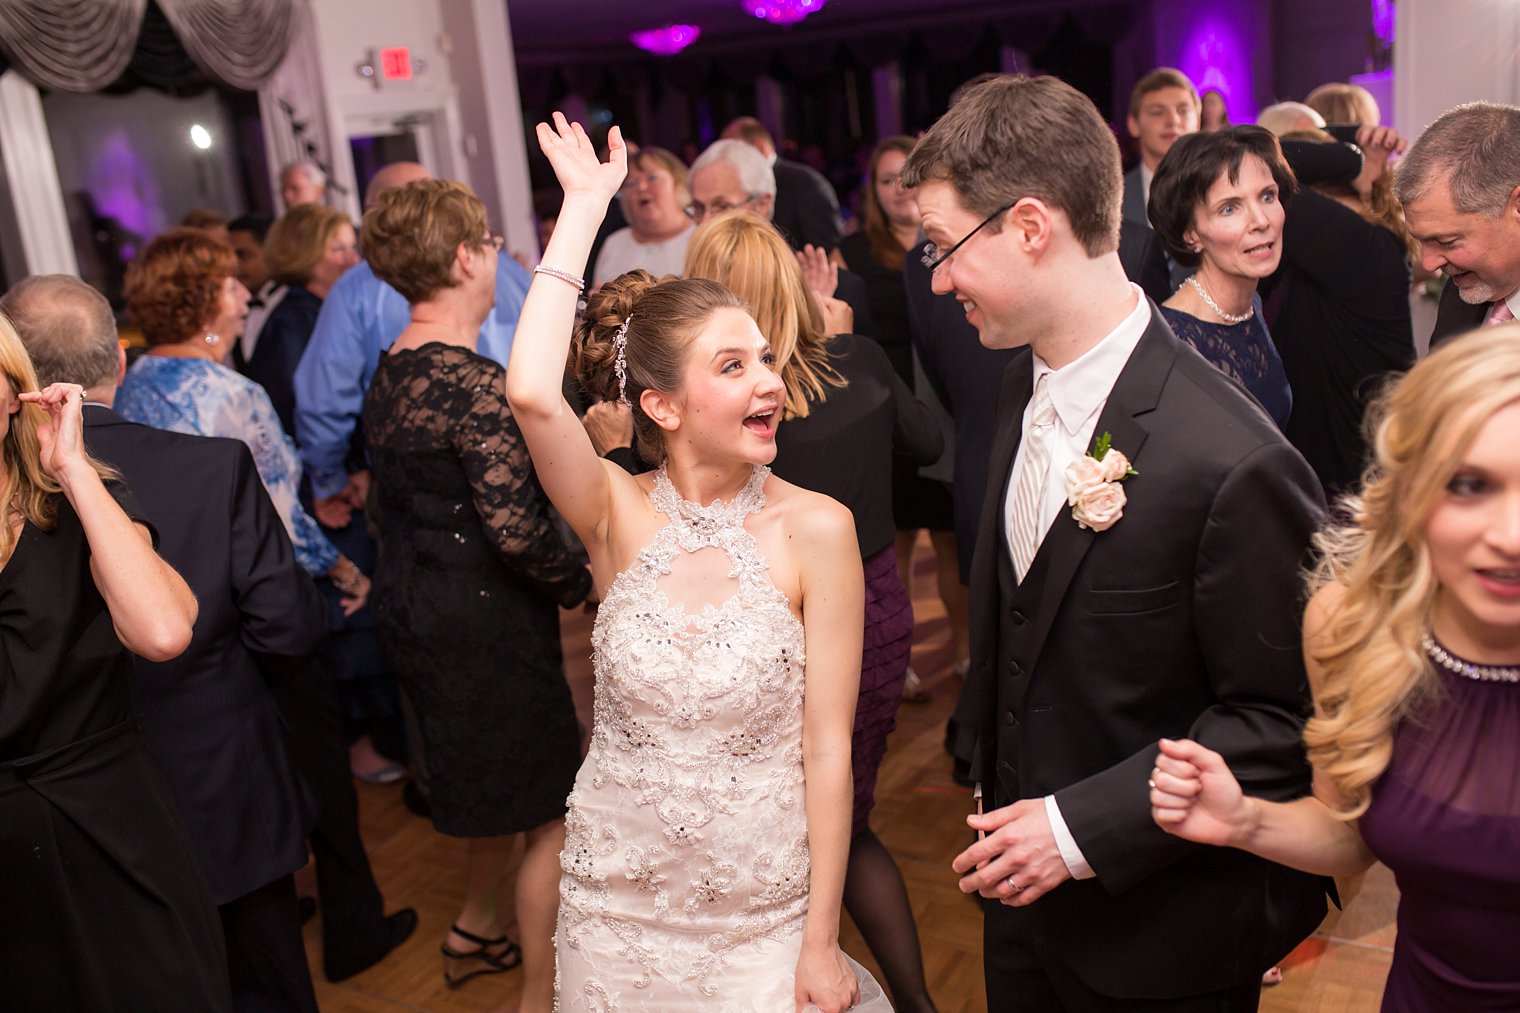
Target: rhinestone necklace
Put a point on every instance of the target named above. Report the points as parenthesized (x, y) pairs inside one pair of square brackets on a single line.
[(1468, 669), (1229, 318)]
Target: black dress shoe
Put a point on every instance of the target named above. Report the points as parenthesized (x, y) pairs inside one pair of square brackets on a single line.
[(395, 929)]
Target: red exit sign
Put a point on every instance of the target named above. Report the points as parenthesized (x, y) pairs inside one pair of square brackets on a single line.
[(396, 63)]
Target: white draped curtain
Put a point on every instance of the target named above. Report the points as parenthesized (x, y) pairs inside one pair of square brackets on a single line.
[(85, 45)]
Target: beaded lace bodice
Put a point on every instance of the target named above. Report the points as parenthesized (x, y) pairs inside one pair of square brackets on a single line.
[(687, 832)]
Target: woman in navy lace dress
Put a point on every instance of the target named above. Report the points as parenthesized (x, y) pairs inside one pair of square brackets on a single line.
[(1217, 204), (1412, 641)]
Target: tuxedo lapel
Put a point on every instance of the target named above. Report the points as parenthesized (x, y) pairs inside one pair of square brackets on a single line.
[(1135, 395)]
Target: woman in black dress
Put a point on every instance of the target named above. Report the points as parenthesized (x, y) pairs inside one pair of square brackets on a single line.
[(472, 569), (100, 904), (846, 414)]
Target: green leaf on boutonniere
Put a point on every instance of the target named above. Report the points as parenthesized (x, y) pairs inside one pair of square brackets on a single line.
[(1101, 445)]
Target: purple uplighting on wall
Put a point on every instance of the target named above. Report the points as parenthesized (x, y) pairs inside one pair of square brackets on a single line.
[(1383, 21), (1214, 56), (783, 12), (666, 41)]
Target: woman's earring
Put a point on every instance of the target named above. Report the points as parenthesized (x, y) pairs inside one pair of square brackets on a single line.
[(212, 339)]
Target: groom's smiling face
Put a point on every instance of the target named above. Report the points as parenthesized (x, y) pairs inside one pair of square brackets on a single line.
[(978, 272)]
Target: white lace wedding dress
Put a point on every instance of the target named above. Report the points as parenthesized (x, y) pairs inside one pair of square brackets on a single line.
[(686, 861)]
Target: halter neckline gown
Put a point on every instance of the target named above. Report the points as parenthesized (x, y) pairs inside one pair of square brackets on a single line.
[(686, 858)]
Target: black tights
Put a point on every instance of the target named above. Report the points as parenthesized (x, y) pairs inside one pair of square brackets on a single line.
[(877, 901)]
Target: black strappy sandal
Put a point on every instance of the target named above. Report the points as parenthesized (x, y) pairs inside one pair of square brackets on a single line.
[(459, 968)]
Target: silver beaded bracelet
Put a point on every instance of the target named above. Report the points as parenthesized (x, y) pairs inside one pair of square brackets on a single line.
[(566, 276)]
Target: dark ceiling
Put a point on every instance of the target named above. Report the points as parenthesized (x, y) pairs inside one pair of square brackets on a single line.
[(549, 29)]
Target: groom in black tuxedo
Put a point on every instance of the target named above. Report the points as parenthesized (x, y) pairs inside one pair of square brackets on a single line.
[(1173, 611)]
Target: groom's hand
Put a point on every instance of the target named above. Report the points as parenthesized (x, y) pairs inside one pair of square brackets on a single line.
[(1018, 845)]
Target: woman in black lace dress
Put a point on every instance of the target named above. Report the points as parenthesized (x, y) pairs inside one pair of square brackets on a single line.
[(471, 572)]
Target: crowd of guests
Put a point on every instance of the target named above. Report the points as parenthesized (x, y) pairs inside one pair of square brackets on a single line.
[(344, 549)]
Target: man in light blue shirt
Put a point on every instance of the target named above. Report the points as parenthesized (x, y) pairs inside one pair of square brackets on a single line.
[(360, 318)]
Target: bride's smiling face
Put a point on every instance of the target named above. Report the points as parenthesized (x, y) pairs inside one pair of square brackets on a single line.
[(730, 402)]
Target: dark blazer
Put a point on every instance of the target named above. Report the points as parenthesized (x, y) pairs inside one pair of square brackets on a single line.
[(208, 714), (1454, 317), (807, 209), (1182, 620), (1133, 207), (282, 342)]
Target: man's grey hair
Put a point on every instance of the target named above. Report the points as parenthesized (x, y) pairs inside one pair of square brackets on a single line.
[(1287, 117), (67, 327), (755, 173), (313, 171), (1474, 149)]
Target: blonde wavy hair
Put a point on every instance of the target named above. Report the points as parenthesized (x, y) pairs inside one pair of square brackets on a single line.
[(748, 256), (29, 491), (1375, 670)]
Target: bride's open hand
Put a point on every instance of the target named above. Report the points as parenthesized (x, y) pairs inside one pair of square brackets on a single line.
[(825, 980), (574, 159)]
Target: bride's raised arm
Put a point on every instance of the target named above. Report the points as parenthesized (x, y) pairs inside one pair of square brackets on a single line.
[(577, 481)]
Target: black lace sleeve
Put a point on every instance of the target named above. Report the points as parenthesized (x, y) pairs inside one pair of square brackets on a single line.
[(513, 510)]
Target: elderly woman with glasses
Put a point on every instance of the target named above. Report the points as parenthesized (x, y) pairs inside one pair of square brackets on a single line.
[(472, 573), (654, 200)]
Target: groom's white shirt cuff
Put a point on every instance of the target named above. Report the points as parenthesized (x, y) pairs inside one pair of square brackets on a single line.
[(1070, 853)]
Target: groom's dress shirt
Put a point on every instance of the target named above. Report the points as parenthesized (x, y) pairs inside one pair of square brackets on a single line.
[(1078, 392)]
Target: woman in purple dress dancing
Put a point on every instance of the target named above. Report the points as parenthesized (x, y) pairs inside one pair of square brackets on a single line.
[(1412, 641)]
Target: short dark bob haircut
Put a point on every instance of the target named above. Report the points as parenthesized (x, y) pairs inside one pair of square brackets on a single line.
[(1194, 164)]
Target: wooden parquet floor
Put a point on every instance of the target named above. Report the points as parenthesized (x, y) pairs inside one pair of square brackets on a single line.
[(920, 816)]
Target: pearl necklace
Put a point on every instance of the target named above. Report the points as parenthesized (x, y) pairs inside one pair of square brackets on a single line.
[(1468, 669), (1229, 318)]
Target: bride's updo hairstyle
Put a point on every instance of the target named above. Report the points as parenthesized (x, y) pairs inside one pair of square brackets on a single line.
[(662, 316)]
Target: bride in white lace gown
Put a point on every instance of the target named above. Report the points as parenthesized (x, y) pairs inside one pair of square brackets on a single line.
[(709, 826)]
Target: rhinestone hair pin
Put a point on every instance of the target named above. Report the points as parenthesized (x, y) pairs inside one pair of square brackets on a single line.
[(620, 363)]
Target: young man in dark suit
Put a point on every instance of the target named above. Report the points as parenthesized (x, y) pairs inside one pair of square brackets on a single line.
[(1112, 603), (211, 715), (1460, 187)]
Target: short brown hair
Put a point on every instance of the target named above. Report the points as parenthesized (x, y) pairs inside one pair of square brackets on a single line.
[(174, 286), (652, 157), (1193, 165), (298, 241), (750, 131), (67, 327), (1013, 137), (412, 232), (662, 317), (1161, 77), (1475, 149)]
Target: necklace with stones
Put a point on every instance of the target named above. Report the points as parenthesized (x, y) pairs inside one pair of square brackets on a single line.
[(1467, 669), (1229, 318)]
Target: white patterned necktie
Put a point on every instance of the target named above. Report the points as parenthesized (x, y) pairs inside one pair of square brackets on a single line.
[(1029, 493)]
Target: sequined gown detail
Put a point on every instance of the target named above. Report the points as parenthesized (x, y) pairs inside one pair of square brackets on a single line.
[(686, 854)]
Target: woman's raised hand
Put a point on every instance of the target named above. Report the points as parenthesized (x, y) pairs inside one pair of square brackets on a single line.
[(61, 438), (1194, 796), (574, 159)]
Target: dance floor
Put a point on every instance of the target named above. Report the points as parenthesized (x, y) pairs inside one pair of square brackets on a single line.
[(920, 815)]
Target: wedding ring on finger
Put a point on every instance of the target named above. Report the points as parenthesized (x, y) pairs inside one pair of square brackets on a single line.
[(1014, 886)]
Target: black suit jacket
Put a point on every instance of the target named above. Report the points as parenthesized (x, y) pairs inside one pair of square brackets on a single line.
[(208, 714), (807, 209), (1454, 317), (1181, 620)]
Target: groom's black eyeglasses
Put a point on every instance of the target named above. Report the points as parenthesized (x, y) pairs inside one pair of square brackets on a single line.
[(932, 257)]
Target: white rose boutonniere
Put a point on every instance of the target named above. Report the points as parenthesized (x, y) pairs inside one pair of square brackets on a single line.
[(1092, 485)]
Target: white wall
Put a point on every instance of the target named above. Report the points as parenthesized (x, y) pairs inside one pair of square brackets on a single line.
[(1446, 52)]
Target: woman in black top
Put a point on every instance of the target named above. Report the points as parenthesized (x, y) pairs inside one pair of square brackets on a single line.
[(101, 907), (846, 413), (890, 228)]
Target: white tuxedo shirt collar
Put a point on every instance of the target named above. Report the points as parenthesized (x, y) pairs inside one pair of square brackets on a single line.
[(1079, 389)]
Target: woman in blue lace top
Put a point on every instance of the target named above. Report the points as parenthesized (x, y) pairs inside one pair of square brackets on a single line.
[(1217, 205), (183, 293)]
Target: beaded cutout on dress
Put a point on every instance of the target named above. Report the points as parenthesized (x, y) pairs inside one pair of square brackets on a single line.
[(686, 837)]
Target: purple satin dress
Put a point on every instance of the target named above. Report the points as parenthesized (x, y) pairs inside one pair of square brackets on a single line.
[(1445, 817)]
